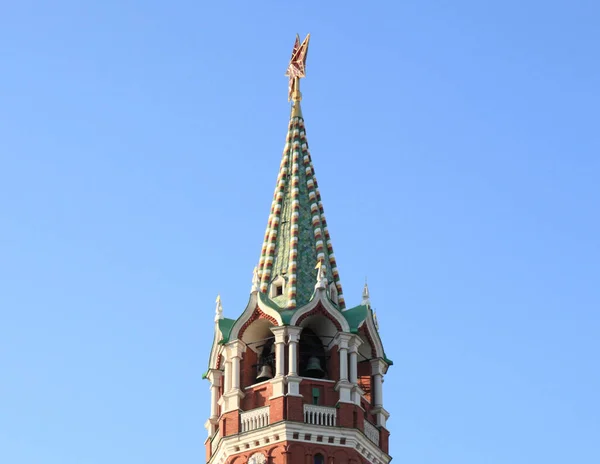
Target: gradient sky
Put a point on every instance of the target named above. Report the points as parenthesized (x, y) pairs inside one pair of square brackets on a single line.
[(456, 145)]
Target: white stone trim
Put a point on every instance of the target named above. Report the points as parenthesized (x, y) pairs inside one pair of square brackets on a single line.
[(253, 303), (321, 297), (284, 431)]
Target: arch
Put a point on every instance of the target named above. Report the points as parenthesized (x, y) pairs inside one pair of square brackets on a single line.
[(311, 348), (372, 335), (256, 315), (321, 304), (319, 459), (255, 304)]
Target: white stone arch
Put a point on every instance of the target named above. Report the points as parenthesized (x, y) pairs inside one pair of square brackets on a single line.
[(333, 312), (253, 304), (369, 325)]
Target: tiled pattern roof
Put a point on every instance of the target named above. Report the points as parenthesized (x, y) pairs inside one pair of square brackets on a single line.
[(297, 236)]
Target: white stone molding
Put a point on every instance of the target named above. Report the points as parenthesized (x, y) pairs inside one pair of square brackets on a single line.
[(226, 447), (321, 297), (253, 303)]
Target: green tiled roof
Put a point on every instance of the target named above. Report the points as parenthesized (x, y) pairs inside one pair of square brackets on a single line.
[(355, 316), (225, 326), (297, 236)]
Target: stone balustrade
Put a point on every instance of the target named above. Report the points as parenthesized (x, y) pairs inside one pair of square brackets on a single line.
[(372, 432), (319, 415), (254, 419)]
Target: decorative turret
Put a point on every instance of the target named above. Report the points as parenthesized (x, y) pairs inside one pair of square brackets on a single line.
[(297, 378)]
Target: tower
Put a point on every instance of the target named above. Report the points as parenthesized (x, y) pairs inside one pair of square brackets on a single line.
[(297, 377)]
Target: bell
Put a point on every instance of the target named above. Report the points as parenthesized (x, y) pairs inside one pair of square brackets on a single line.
[(265, 373), (313, 368)]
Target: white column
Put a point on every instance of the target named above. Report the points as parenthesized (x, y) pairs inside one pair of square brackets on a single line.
[(379, 367), (353, 367), (293, 339), (293, 381), (214, 376), (353, 348), (233, 394), (344, 386), (378, 390), (278, 382), (343, 363), (235, 372), (227, 373)]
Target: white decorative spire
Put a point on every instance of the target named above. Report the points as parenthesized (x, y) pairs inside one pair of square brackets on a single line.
[(321, 276), (366, 299), (219, 309), (255, 281)]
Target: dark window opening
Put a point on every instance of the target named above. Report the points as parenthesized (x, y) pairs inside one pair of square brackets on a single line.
[(319, 459)]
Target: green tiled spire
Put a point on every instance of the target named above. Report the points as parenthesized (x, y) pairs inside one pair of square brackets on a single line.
[(297, 237)]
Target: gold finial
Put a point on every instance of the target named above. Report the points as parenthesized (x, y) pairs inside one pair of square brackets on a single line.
[(295, 71)]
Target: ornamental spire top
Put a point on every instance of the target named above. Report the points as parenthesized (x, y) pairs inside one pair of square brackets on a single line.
[(297, 70)]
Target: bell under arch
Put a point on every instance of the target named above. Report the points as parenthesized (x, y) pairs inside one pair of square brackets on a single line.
[(315, 339), (258, 364)]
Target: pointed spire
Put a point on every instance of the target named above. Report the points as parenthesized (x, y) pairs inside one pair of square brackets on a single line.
[(321, 275), (219, 309), (366, 298), (297, 235), (255, 281)]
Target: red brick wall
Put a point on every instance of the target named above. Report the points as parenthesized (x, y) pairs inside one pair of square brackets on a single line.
[(248, 369), (257, 396), (329, 396)]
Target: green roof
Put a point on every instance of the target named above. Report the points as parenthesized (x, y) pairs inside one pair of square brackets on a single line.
[(225, 326), (297, 236)]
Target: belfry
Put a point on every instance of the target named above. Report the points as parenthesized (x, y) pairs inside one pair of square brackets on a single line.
[(297, 377)]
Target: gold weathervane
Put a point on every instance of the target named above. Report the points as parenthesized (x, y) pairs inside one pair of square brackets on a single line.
[(297, 68)]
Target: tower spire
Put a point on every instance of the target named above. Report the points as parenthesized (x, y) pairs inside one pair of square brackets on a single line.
[(297, 235)]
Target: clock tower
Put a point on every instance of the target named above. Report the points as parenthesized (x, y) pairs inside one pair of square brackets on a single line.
[(297, 378)]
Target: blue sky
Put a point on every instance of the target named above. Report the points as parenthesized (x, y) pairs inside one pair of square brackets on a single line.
[(456, 145)]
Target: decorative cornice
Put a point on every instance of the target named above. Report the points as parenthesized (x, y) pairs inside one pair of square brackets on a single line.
[(284, 431)]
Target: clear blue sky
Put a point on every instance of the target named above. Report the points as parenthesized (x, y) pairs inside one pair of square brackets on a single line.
[(456, 144)]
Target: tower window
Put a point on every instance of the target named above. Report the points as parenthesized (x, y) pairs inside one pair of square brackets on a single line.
[(277, 287)]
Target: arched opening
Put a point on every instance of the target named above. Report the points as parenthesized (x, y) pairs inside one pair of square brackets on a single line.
[(319, 459), (313, 361), (258, 363)]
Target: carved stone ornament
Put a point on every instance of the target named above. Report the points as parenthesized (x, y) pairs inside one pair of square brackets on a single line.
[(257, 458)]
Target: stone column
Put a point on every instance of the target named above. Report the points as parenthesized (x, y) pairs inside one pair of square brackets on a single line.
[(343, 386), (233, 393), (293, 378), (214, 376), (278, 382), (227, 374), (379, 367), (353, 347)]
